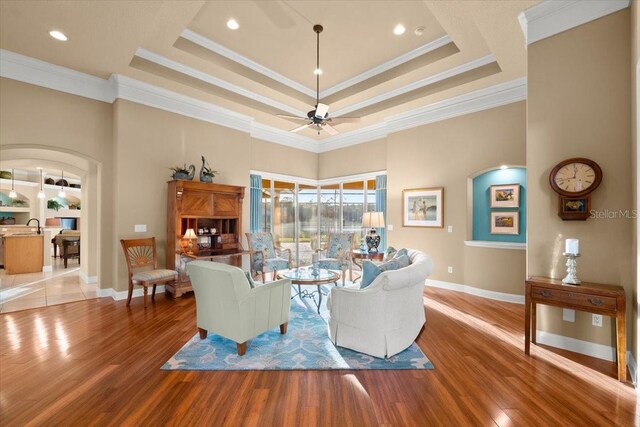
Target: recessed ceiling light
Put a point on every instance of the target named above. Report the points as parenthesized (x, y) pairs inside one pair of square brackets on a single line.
[(58, 35), (232, 24), (419, 31), (317, 72), (503, 167), (399, 30)]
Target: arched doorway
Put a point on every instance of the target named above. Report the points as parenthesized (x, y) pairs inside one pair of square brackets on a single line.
[(89, 172)]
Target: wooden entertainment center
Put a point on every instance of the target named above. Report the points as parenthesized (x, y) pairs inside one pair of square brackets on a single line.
[(202, 206)]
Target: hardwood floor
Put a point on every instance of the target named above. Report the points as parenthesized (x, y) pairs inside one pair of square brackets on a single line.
[(96, 362)]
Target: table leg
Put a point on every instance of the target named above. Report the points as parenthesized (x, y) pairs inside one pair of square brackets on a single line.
[(534, 322), (621, 335), (527, 318), (319, 298)]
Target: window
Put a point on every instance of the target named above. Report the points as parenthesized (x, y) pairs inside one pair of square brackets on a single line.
[(301, 213)]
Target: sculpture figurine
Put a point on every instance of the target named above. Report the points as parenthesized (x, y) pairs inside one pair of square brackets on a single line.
[(206, 173)]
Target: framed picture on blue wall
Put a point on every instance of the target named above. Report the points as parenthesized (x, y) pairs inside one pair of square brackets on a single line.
[(505, 222), (505, 196)]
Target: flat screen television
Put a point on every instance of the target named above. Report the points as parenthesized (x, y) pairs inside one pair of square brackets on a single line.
[(69, 223)]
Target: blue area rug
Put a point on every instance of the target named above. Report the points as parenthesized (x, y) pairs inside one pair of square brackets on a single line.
[(306, 345)]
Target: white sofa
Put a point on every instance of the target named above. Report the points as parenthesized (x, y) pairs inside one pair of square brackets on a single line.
[(384, 318)]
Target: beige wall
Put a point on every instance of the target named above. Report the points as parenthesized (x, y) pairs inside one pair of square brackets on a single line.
[(64, 130), (445, 154), (357, 159), (274, 158), (635, 76), (578, 105)]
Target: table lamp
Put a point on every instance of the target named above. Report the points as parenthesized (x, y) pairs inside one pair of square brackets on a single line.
[(373, 220), (190, 235)]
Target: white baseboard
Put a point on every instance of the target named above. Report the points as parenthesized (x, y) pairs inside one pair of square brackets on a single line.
[(122, 295), (587, 348), (499, 296), (47, 268), (88, 279)]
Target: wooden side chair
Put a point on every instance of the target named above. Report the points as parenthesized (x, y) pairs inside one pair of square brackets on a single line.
[(142, 265), (264, 256)]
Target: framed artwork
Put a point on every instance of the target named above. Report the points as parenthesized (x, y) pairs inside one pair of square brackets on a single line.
[(505, 196), (505, 222), (423, 207), (575, 208)]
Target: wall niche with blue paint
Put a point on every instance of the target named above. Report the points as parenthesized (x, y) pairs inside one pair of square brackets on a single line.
[(482, 204)]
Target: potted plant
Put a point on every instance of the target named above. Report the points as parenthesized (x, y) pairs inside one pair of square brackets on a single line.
[(183, 172), (53, 204)]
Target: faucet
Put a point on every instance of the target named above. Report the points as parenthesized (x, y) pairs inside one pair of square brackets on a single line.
[(37, 221)]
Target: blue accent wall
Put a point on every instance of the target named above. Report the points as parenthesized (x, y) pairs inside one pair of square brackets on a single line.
[(481, 203)]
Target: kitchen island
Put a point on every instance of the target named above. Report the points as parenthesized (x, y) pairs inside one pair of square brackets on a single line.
[(23, 253)]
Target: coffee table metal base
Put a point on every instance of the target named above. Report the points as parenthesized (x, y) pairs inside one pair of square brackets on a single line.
[(304, 277)]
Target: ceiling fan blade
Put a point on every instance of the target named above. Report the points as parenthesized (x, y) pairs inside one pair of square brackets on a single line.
[(321, 111), (330, 129), (294, 118), (299, 128), (338, 120)]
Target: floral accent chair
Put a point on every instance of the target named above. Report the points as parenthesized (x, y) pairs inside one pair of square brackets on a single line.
[(337, 255), (264, 257)]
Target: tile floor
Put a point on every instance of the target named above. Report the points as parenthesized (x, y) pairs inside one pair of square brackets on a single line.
[(31, 290)]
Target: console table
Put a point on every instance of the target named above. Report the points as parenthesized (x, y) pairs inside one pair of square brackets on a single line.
[(607, 300)]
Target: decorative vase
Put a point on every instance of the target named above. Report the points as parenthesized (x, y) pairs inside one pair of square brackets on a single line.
[(205, 172)]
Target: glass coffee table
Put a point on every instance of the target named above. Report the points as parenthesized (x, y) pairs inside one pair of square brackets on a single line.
[(305, 276)]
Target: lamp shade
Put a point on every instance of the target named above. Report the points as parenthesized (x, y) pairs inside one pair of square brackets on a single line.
[(52, 222), (373, 220), (190, 234)]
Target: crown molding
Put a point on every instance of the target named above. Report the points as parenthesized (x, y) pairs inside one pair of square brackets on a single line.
[(271, 134), (451, 72), (483, 99), (217, 48), (209, 44), (40, 73), (152, 96), (385, 66), (207, 78), (552, 17)]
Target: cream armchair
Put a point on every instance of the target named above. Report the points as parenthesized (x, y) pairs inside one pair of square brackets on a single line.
[(227, 305), (384, 318)]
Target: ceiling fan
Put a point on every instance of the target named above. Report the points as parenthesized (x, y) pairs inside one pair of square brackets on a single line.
[(319, 117)]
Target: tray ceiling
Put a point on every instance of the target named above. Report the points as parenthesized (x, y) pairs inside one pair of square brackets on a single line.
[(266, 66)]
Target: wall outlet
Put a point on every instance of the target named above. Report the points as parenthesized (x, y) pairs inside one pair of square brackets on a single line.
[(140, 228), (450, 229), (596, 320), (568, 315), (390, 227), (450, 269)]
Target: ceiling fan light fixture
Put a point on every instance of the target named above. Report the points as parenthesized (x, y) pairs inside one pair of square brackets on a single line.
[(399, 30), (317, 72), (232, 24)]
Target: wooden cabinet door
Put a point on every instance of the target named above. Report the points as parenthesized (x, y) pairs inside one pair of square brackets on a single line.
[(197, 203), (224, 205)]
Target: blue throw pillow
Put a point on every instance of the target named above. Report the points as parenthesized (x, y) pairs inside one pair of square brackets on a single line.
[(403, 251), (389, 253), (370, 270), (403, 261)]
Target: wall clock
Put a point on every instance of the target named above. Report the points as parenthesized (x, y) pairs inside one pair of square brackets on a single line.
[(574, 180)]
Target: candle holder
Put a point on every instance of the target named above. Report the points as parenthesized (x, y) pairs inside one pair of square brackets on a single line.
[(572, 272)]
